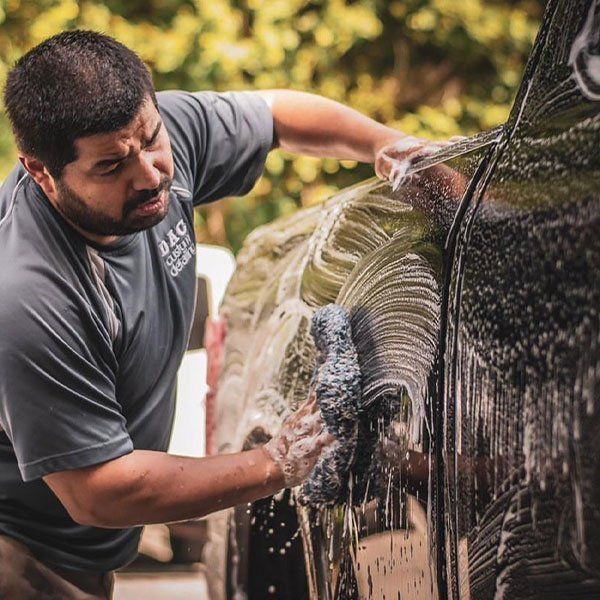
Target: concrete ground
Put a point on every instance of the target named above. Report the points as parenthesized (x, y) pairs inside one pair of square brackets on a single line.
[(182, 585)]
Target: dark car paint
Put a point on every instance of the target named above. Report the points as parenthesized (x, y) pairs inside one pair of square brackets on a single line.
[(500, 495), (523, 336)]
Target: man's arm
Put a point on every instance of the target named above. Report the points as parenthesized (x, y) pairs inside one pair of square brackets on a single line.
[(146, 487), (316, 126)]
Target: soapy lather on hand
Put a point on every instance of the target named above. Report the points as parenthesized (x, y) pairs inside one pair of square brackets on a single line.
[(298, 445), (394, 160)]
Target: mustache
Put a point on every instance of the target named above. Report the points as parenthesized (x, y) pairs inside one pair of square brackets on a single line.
[(146, 195)]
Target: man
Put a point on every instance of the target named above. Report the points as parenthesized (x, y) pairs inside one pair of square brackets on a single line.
[(96, 299)]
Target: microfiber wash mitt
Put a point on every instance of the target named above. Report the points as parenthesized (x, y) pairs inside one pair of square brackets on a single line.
[(336, 383)]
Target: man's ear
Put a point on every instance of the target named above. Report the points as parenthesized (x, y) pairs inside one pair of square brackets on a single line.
[(40, 174)]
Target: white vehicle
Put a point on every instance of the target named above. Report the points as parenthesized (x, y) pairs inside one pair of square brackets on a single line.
[(183, 542), (214, 268)]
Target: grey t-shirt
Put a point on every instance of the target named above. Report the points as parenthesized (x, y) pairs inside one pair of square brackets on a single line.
[(91, 337)]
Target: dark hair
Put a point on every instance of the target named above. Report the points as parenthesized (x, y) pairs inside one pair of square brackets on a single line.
[(74, 84)]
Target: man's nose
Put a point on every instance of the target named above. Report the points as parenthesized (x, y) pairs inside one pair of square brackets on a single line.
[(147, 176)]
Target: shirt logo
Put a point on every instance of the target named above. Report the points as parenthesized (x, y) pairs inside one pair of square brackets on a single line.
[(177, 248)]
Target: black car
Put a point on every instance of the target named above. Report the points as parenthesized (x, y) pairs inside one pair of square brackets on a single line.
[(474, 294)]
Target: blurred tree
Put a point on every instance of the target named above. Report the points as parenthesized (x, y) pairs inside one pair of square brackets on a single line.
[(433, 68)]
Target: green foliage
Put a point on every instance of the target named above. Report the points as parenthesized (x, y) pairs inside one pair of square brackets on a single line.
[(433, 68)]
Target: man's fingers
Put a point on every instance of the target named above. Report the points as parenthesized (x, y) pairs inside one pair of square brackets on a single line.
[(399, 153), (310, 402), (395, 160), (325, 439), (307, 425), (305, 408), (313, 447)]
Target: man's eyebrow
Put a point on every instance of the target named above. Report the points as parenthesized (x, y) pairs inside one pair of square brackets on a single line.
[(155, 132)]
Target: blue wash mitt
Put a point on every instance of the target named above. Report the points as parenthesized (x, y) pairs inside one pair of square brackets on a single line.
[(336, 383)]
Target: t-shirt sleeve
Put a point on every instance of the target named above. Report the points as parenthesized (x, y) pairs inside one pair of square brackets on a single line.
[(219, 141), (58, 404)]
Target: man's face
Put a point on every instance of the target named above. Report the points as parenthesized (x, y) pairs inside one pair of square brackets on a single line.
[(120, 182)]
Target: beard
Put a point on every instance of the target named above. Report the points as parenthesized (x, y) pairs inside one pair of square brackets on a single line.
[(74, 209)]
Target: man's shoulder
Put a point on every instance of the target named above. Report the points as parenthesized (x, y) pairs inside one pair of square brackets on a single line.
[(10, 187), (29, 226), (181, 99), (42, 303), (27, 279), (38, 268), (19, 229), (219, 139)]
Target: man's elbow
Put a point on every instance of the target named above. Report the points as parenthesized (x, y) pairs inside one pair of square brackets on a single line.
[(81, 516), (92, 498), (95, 515), (89, 512), (118, 509)]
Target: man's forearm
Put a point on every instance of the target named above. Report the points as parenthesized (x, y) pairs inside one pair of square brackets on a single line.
[(316, 126), (154, 487)]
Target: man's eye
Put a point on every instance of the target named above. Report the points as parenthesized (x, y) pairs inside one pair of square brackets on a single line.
[(113, 170), (152, 142)]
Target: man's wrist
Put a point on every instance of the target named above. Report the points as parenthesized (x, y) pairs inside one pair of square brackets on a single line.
[(273, 473), (386, 138)]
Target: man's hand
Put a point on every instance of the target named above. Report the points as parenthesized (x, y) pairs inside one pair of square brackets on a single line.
[(299, 443), (392, 161)]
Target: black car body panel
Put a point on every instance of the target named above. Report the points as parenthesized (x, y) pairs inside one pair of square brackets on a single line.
[(522, 446), (474, 292)]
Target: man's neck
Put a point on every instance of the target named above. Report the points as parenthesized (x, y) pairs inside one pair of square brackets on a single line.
[(102, 240)]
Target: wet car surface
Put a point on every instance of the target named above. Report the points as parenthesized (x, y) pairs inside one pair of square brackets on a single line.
[(474, 291)]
